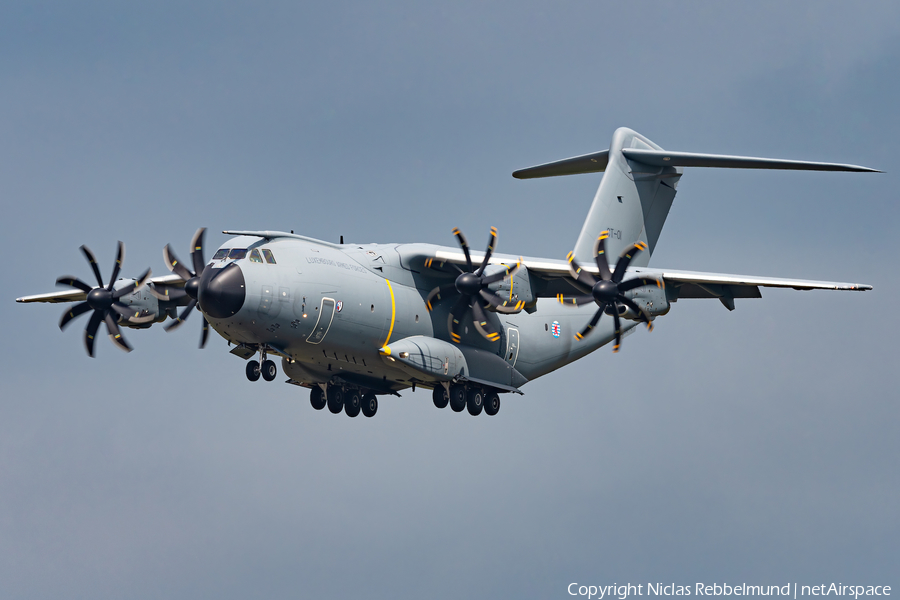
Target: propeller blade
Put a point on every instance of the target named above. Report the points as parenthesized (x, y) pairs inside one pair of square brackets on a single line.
[(92, 260), (166, 292), (130, 314), (182, 317), (71, 313), (580, 275), (510, 271), (174, 264), (90, 332), (132, 286), (579, 300), (197, 251), (114, 334), (123, 309), (483, 324), (120, 257), (593, 323), (437, 293), (618, 331), (456, 313), (204, 333), (75, 283), (465, 247), (625, 259), (600, 256), (640, 311), (499, 304), (638, 282), (490, 250)]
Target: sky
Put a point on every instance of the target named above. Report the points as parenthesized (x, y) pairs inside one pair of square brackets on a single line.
[(757, 446)]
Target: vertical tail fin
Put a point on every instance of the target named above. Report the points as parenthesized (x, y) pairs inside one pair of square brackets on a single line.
[(632, 202)]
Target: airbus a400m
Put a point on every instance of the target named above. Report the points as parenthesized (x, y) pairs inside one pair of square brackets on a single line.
[(352, 322)]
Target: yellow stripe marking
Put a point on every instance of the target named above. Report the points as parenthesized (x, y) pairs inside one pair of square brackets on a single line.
[(393, 313)]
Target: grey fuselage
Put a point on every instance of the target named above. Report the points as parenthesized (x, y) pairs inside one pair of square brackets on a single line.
[(330, 309)]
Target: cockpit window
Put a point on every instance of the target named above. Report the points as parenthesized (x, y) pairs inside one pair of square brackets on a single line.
[(237, 253), (220, 254), (255, 257), (269, 257)]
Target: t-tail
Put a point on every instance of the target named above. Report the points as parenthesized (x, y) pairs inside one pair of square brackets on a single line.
[(639, 185)]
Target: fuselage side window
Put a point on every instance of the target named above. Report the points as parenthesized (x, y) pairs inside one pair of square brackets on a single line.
[(270, 258), (237, 253), (255, 257), (220, 254)]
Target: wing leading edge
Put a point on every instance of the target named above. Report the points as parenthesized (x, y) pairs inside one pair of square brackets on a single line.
[(79, 296)]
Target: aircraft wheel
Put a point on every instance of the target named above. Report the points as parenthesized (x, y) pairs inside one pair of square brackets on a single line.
[(492, 403), (335, 399), (457, 397), (269, 370), (317, 398), (475, 401), (440, 396), (252, 370), (352, 403), (369, 404)]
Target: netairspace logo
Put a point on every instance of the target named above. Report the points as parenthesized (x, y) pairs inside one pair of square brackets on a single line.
[(791, 590)]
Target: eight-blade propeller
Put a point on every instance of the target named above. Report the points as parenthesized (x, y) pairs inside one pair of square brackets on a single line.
[(169, 293), (609, 290), (103, 300), (471, 286)]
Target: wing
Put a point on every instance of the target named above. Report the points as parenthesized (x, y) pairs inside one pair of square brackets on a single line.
[(551, 277), (78, 295)]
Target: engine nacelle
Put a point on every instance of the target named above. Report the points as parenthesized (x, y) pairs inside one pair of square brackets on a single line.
[(649, 297), (517, 288), (144, 305)]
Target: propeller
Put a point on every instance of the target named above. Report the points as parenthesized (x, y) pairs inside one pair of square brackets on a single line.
[(608, 291), (103, 300), (191, 288), (471, 286)]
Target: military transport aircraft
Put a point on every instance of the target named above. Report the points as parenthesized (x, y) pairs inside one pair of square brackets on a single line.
[(351, 322)]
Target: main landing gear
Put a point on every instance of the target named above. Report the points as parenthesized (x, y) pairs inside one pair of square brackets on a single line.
[(474, 399), (337, 399), (267, 369)]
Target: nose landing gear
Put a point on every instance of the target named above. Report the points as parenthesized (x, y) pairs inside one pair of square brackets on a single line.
[(267, 369)]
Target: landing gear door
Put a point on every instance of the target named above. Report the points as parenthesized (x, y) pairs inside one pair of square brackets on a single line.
[(326, 314), (512, 346)]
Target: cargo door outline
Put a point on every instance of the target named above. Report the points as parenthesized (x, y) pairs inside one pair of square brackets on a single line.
[(323, 324), (512, 346)]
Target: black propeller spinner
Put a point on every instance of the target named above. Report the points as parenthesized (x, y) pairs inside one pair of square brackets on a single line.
[(191, 288), (103, 300), (471, 286), (608, 291)]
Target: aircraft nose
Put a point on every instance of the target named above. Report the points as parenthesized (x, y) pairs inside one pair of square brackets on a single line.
[(222, 291)]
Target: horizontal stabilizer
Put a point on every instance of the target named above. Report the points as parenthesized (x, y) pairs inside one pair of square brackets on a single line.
[(586, 163), (662, 158)]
